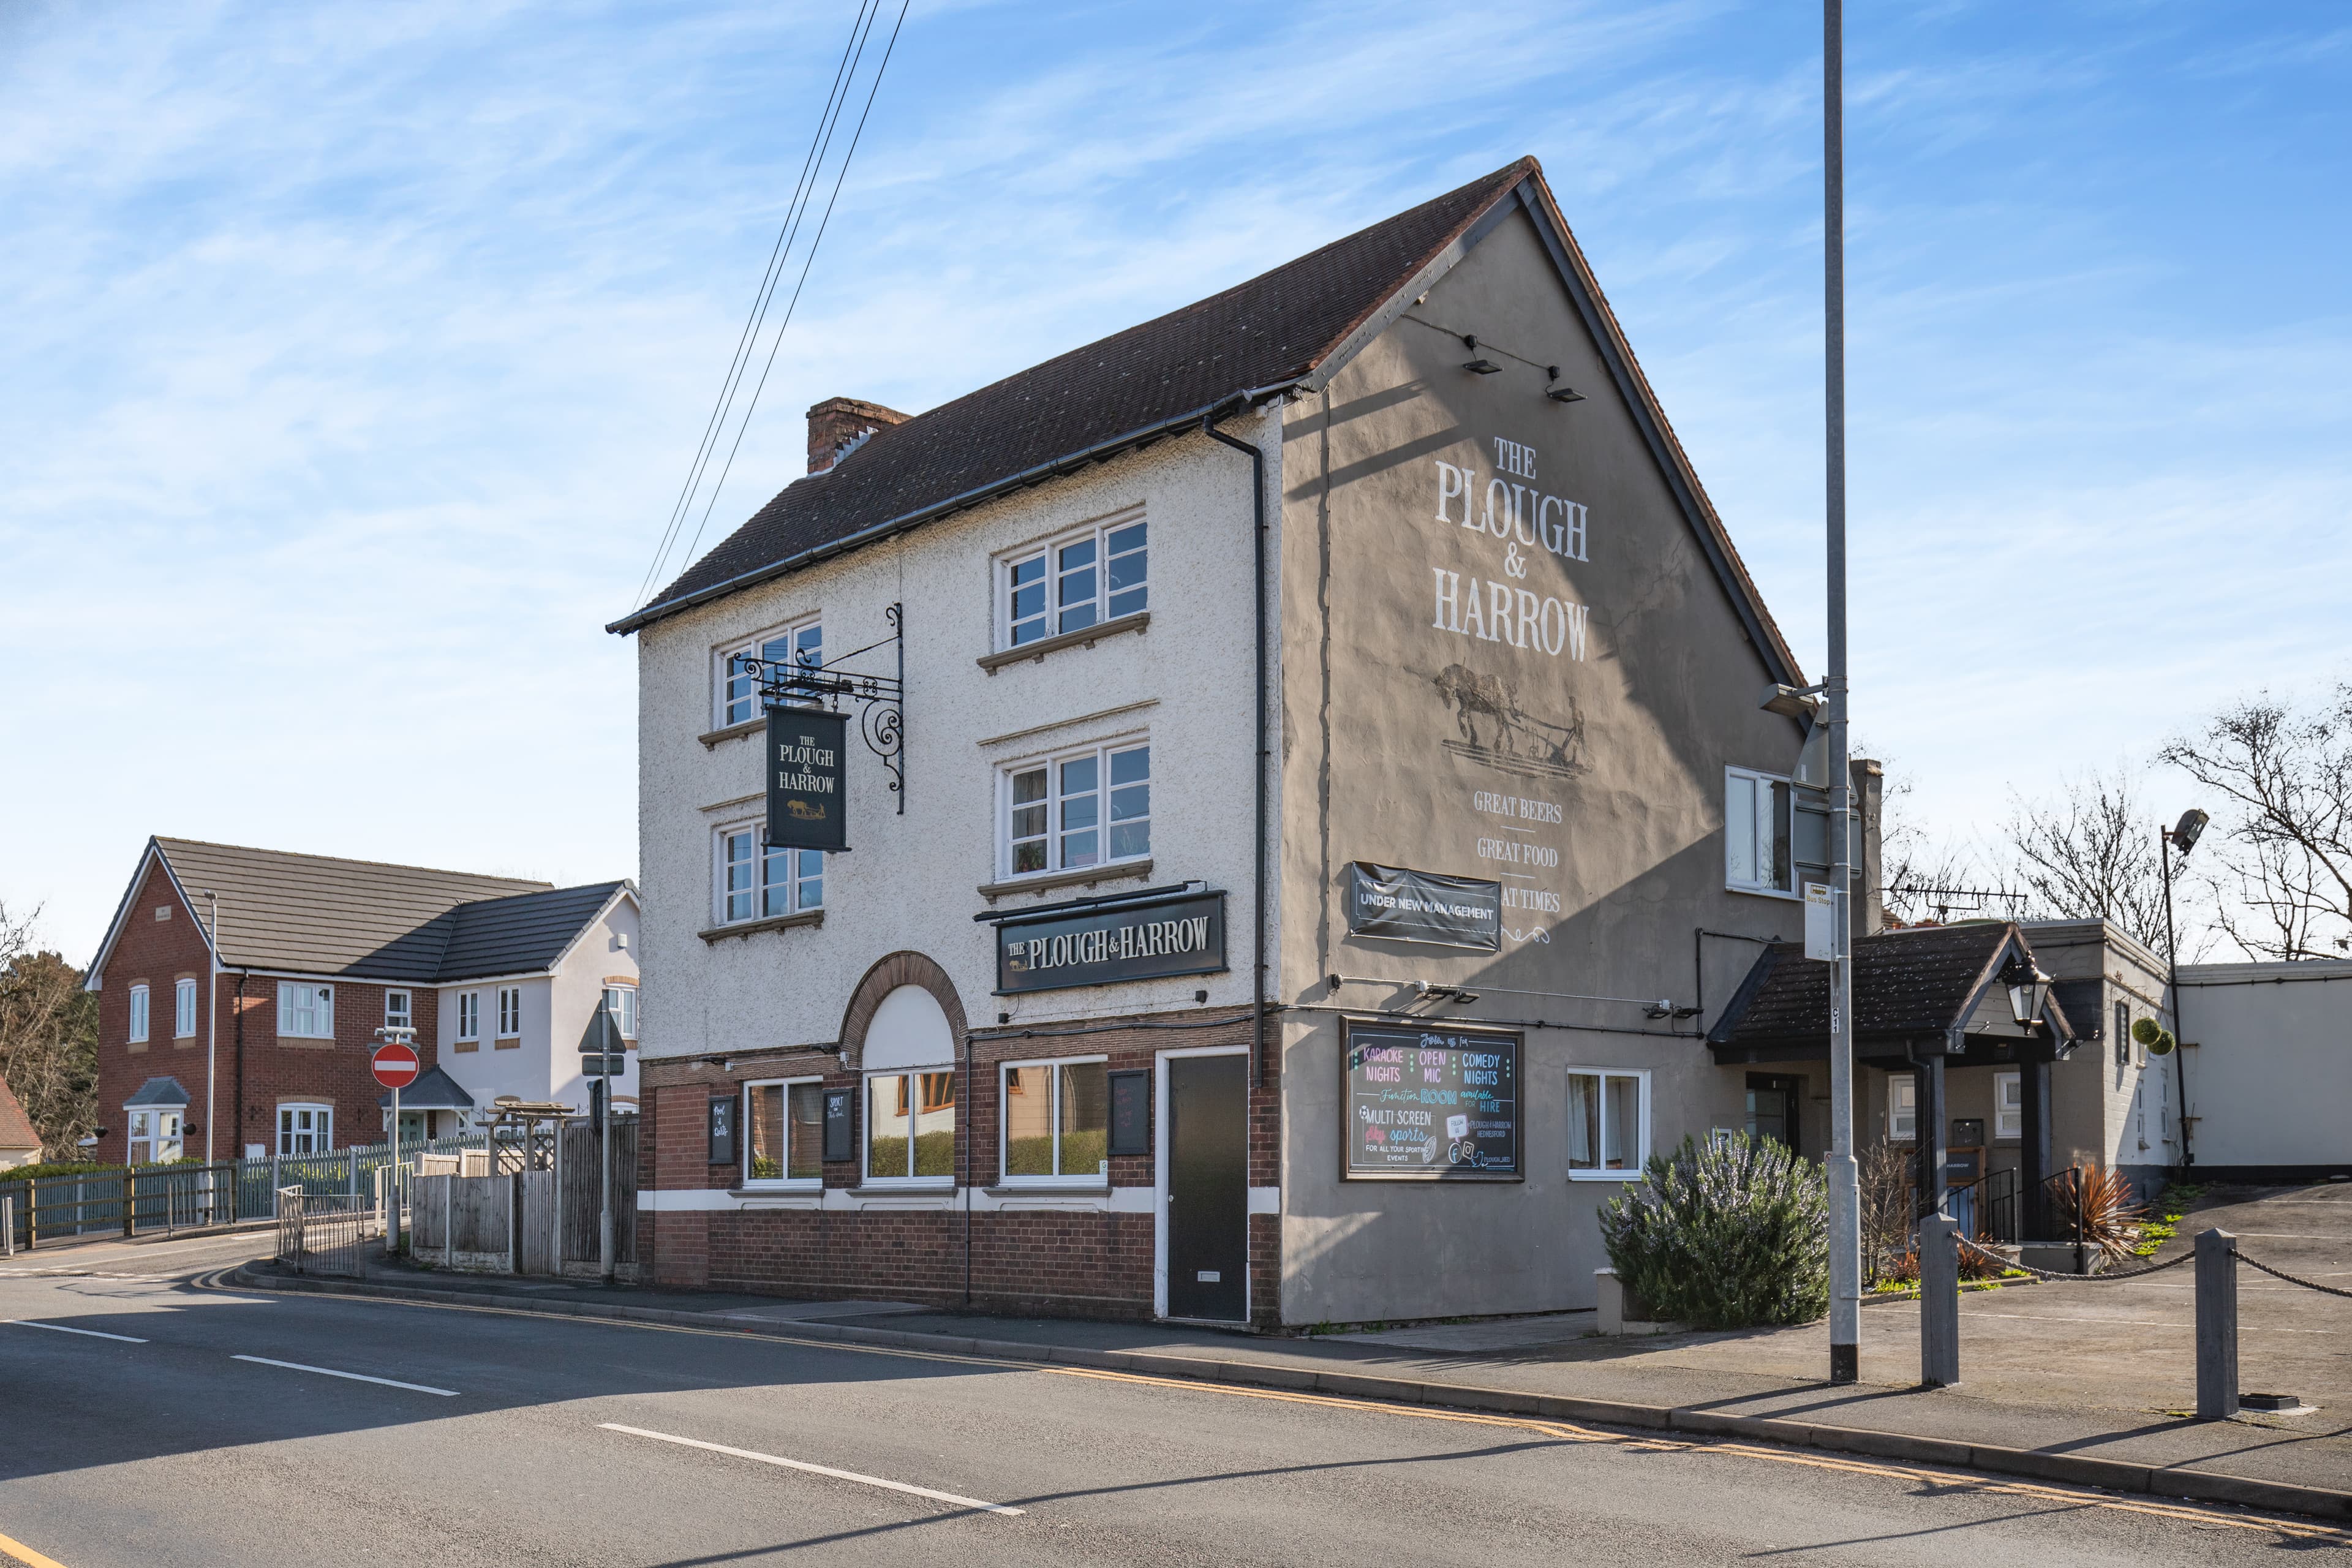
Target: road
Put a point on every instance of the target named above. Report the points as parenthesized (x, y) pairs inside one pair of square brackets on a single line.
[(190, 1424)]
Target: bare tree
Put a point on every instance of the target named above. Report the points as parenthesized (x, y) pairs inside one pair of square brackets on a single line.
[(1924, 878), (49, 1038), (2090, 854), (2284, 779)]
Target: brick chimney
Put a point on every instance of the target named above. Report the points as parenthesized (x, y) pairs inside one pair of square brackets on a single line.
[(839, 421)]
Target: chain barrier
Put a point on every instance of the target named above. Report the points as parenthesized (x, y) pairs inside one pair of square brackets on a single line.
[(2282, 1274), (2052, 1274)]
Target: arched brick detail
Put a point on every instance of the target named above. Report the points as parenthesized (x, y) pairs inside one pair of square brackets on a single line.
[(899, 969)]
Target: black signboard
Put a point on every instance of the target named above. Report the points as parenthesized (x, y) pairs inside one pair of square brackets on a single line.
[(839, 1142), (1431, 1104), (722, 1128), (597, 1064), (1422, 906), (1131, 1112), (1184, 934), (806, 785)]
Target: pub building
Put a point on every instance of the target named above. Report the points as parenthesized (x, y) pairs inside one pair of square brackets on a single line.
[(1242, 822)]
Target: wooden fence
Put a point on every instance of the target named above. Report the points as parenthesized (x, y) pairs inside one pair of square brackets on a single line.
[(527, 1221)]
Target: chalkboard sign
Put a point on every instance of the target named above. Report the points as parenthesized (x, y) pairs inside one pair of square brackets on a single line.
[(1431, 1104), (839, 1143), (722, 1128), (1131, 1112)]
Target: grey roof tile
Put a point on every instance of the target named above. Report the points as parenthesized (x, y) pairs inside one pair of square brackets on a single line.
[(165, 1091)]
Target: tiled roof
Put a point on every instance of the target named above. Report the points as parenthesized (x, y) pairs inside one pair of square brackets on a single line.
[(1906, 983), (165, 1091), (16, 1127), (1252, 338), (521, 935), (317, 914), (433, 1090)]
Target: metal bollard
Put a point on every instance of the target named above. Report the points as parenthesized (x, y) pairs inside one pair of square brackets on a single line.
[(2217, 1325), (8, 1227), (1939, 1302)]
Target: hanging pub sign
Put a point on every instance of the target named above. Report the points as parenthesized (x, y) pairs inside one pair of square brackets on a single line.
[(1431, 1104), (1422, 906), (805, 779), (1183, 934)]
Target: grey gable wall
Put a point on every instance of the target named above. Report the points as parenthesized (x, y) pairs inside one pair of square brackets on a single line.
[(1628, 743)]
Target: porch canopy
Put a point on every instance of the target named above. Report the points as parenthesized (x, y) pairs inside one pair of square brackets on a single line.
[(433, 1090), (1925, 1000)]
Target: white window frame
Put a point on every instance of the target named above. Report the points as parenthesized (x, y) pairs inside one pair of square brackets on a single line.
[(469, 1014), (161, 1129), (313, 1005), (184, 1009), (405, 1015), (1056, 805), (866, 1128), (1056, 611), (1761, 787), (322, 1131), (797, 876), (729, 707), (743, 1136), (621, 1001), (2009, 1120), (1631, 1170), (138, 1014), (1053, 1125), (509, 1013), (1902, 1107)]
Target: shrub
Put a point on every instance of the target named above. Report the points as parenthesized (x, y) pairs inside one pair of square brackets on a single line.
[(1725, 1237), (2109, 1213)]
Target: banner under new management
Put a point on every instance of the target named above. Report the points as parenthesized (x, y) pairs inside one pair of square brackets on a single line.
[(1423, 906)]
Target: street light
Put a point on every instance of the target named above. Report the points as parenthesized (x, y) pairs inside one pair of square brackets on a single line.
[(2028, 988), (2183, 837)]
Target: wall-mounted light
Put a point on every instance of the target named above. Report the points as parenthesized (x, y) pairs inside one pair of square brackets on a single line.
[(1481, 365), (1556, 392)]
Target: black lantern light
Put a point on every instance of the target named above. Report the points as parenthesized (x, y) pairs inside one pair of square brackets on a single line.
[(2028, 988)]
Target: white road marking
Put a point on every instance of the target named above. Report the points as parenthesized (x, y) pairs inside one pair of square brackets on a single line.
[(813, 1469), (355, 1377), (61, 1329), (2143, 1323)]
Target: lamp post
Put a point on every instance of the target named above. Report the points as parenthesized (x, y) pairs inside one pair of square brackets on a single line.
[(212, 1021), (2181, 836), (1845, 1197)]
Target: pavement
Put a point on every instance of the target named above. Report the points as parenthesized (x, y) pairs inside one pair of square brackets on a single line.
[(2089, 1382), (157, 1412)]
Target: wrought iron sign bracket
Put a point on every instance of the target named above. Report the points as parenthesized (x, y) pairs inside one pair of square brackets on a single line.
[(880, 699)]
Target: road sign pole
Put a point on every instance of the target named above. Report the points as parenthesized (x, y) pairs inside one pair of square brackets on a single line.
[(604, 1159), (391, 1186)]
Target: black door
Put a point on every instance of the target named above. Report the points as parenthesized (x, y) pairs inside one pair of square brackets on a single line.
[(1772, 1108), (1208, 1186)]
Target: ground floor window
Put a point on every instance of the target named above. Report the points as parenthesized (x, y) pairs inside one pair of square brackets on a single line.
[(155, 1135), (2008, 1105), (910, 1126), (1608, 1123), (1902, 1107), (305, 1129), (786, 1124), (1058, 1120)]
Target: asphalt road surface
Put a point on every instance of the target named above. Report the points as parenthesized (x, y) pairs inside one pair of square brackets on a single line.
[(181, 1422)]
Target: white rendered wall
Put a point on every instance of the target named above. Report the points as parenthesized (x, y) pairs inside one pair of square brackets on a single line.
[(911, 883)]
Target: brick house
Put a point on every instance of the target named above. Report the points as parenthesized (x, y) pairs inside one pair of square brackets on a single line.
[(498, 976)]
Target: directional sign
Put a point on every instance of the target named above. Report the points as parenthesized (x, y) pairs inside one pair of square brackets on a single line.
[(596, 1064), (396, 1065)]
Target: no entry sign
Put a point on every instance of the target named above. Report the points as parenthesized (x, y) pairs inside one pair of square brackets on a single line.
[(396, 1065)]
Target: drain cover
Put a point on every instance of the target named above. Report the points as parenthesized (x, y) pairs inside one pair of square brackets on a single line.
[(2268, 1402)]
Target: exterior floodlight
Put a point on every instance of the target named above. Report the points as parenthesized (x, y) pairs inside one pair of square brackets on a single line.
[(2188, 830), (1556, 392), (2028, 988), (1481, 365)]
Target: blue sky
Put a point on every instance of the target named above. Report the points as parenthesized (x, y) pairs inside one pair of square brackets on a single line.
[(354, 353)]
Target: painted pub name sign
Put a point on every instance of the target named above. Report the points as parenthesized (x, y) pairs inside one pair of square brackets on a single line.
[(1180, 935), (804, 780)]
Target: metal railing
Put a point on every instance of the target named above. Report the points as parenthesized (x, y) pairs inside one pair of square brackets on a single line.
[(321, 1235)]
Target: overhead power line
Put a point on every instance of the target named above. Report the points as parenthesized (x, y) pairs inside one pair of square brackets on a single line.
[(747, 341)]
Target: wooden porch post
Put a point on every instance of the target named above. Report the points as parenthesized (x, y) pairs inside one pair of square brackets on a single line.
[(2033, 1144)]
